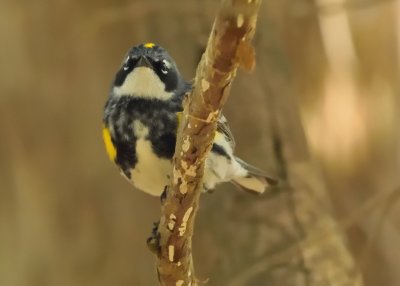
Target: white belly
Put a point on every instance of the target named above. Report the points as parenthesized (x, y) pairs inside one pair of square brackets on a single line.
[(151, 174)]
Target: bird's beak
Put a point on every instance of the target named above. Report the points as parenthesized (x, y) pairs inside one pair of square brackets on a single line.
[(144, 62)]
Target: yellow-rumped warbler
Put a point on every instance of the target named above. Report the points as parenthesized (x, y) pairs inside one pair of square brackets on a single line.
[(140, 126)]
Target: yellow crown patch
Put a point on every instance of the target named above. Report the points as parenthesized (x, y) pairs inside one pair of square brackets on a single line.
[(149, 45)]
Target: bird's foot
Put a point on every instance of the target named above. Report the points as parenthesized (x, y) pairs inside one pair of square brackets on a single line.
[(153, 242)]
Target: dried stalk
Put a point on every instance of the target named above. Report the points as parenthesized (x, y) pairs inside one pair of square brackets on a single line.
[(228, 47)]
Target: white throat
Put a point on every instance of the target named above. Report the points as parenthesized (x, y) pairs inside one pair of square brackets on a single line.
[(143, 82)]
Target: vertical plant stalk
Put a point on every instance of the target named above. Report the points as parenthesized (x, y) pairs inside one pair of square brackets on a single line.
[(228, 48)]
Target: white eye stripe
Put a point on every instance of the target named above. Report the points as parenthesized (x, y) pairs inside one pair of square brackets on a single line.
[(167, 64), (164, 71), (125, 67)]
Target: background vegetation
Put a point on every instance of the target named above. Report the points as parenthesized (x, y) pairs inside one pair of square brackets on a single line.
[(68, 218)]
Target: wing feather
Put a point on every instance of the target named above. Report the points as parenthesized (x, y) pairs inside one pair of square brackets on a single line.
[(223, 127)]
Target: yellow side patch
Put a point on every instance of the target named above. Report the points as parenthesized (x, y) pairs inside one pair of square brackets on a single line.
[(110, 148), (219, 136), (149, 45)]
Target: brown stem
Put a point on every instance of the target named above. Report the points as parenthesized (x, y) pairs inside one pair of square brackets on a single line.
[(228, 47)]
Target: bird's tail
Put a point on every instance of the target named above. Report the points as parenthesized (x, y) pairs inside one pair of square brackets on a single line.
[(254, 180)]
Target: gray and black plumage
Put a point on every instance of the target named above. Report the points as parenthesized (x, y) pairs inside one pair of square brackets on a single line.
[(141, 121)]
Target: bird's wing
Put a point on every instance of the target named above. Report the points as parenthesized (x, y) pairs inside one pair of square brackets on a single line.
[(223, 127)]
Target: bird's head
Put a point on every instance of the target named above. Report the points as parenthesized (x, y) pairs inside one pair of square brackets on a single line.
[(148, 71)]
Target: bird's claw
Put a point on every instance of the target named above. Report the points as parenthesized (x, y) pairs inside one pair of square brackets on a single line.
[(153, 242)]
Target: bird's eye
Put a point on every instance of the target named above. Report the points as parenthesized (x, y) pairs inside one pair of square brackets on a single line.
[(126, 63), (129, 62), (165, 66)]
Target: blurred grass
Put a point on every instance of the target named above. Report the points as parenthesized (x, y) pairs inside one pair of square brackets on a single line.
[(67, 218)]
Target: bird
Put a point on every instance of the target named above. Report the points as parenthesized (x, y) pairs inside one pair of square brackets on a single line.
[(140, 123)]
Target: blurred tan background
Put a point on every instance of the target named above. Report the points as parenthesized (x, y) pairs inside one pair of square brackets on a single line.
[(68, 218)]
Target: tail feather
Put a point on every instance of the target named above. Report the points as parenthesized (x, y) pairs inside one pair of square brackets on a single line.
[(255, 181)]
